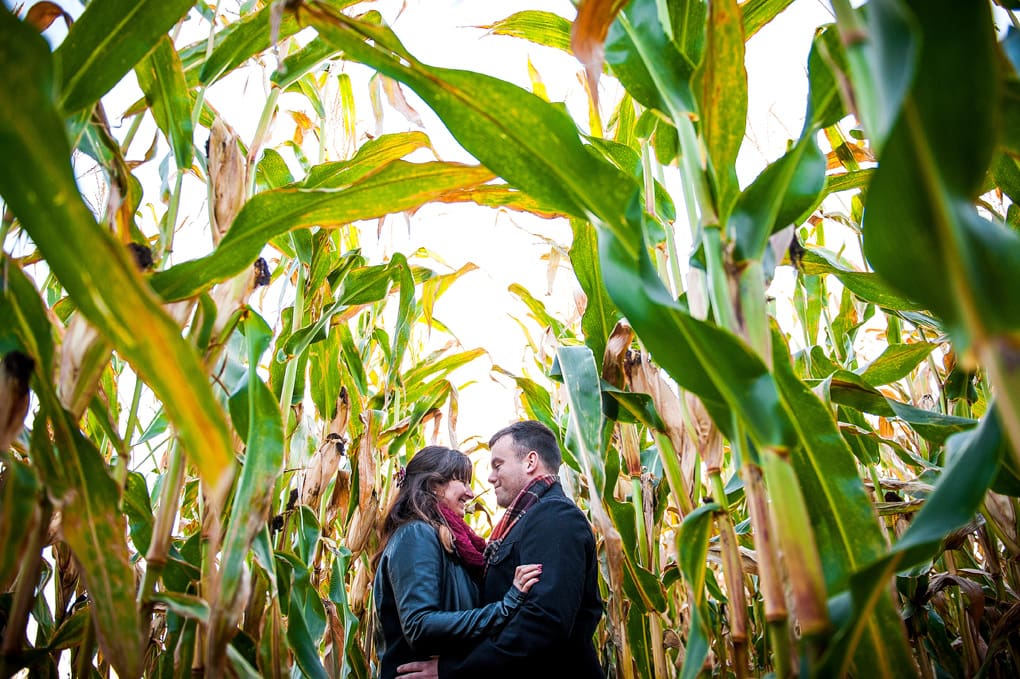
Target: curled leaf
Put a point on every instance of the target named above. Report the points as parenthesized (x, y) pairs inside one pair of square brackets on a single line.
[(43, 14), (588, 37)]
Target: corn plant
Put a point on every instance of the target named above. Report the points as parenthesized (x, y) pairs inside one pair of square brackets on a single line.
[(771, 492)]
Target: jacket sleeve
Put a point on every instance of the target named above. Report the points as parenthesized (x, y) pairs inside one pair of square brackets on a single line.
[(556, 537), (415, 574)]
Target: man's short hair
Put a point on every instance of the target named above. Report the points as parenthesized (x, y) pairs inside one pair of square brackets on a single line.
[(529, 435)]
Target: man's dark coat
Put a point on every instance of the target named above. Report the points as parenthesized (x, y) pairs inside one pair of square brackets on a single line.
[(551, 633)]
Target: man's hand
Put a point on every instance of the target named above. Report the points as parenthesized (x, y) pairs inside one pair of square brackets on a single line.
[(422, 669)]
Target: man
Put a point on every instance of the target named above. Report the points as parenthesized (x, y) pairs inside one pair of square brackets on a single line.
[(551, 634)]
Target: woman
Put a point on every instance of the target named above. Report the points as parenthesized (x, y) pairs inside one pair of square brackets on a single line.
[(429, 566)]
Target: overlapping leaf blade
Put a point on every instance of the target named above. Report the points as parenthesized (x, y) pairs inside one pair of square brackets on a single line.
[(399, 186), (846, 528), (106, 41), (40, 188), (161, 77), (537, 141)]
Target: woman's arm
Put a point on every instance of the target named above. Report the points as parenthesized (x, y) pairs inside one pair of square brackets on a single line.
[(415, 575)]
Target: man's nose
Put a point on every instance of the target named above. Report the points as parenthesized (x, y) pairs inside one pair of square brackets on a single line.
[(492, 477)]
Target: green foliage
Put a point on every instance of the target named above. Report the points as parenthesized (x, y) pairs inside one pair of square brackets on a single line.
[(829, 489)]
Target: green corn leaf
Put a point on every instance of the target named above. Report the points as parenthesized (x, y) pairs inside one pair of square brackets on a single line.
[(896, 362), (433, 398), (858, 179), (539, 152), (440, 368), (360, 286), (307, 534), (580, 376), (371, 157), (693, 548), (720, 86), (19, 494), (883, 64), (776, 198), (353, 360), (248, 37), (24, 322), (26, 327), (825, 105), (185, 605), (647, 62), (537, 403), (304, 640), (272, 171), (849, 389), (631, 407), (241, 665), (405, 315), (257, 418), (338, 596), (40, 189), (585, 436), (922, 192), (538, 310), (845, 526), (702, 358), (106, 41), (138, 508), (541, 28), (973, 458), (71, 630), (301, 62), (758, 13), (161, 78), (686, 26), (870, 287), (600, 316), (400, 186), (95, 530)]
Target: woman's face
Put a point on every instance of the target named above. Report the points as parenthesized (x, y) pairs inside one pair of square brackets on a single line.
[(455, 495)]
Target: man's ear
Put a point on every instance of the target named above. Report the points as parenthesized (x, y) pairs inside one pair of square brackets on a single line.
[(531, 461)]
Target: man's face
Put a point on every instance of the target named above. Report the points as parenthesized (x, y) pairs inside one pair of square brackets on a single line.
[(509, 474)]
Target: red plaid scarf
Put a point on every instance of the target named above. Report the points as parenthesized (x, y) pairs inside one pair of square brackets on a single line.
[(468, 545), (524, 501)]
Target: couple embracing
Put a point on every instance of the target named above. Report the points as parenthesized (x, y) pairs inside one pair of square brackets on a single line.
[(524, 605)]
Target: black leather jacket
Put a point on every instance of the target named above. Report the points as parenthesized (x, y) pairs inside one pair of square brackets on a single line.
[(426, 600)]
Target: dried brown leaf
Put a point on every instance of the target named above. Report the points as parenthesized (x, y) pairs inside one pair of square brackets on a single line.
[(588, 36), (43, 14), (615, 357), (227, 176), (395, 95)]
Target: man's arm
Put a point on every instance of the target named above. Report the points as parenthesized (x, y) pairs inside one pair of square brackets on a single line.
[(556, 535)]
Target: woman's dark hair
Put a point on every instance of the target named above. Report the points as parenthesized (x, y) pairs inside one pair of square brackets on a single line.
[(430, 467)]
